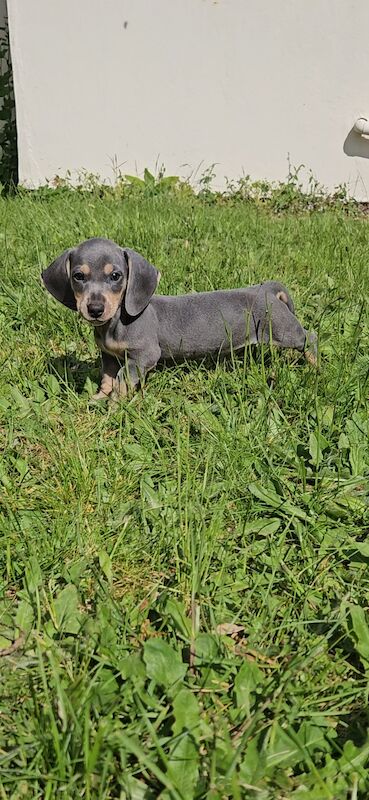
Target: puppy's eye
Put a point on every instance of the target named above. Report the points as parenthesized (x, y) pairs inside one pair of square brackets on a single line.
[(115, 276), (78, 276)]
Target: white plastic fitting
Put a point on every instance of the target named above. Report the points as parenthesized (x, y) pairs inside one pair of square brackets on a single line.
[(362, 126)]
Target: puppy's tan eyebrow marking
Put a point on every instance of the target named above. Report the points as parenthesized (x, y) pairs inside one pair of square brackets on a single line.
[(85, 269), (108, 269)]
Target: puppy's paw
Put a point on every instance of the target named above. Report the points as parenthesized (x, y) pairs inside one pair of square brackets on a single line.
[(107, 388), (120, 390), (98, 396), (311, 349), (311, 358)]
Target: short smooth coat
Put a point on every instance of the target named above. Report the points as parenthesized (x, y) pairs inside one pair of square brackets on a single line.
[(114, 290)]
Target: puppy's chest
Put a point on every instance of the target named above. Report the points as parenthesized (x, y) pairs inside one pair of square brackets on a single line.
[(109, 343)]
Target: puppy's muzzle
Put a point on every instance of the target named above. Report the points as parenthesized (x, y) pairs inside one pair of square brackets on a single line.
[(95, 310)]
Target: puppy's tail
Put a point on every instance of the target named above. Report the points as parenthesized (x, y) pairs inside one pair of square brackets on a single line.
[(282, 294)]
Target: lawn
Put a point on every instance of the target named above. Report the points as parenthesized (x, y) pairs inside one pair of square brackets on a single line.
[(185, 590)]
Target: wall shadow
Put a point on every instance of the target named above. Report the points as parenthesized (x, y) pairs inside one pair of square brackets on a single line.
[(356, 145)]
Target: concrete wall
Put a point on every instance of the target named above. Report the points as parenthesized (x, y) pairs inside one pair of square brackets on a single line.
[(245, 84)]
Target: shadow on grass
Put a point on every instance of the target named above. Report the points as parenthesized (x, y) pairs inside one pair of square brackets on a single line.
[(353, 727), (73, 373), (252, 354)]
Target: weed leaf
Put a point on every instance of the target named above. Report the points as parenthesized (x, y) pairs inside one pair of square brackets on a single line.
[(163, 664), (359, 632), (67, 615)]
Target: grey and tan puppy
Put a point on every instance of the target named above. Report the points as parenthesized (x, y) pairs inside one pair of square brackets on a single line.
[(113, 289)]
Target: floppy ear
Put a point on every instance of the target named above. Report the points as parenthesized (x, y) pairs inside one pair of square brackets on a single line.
[(143, 279), (57, 282)]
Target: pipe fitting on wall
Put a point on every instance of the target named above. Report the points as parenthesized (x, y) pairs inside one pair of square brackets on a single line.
[(362, 126)]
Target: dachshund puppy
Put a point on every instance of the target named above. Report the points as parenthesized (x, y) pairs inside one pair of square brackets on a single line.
[(113, 290)]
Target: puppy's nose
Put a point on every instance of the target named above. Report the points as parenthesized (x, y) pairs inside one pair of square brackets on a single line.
[(95, 309)]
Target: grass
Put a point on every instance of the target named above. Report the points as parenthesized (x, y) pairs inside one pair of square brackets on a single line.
[(185, 575)]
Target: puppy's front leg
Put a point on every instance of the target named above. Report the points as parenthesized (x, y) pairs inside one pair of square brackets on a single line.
[(134, 372), (311, 348), (128, 378), (110, 369)]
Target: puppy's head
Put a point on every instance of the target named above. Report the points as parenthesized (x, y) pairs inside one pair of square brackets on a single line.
[(96, 277)]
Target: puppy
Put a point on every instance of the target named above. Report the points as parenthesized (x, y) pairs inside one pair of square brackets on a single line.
[(113, 290)]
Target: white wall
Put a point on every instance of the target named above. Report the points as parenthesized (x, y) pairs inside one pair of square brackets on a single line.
[(245, 84)]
